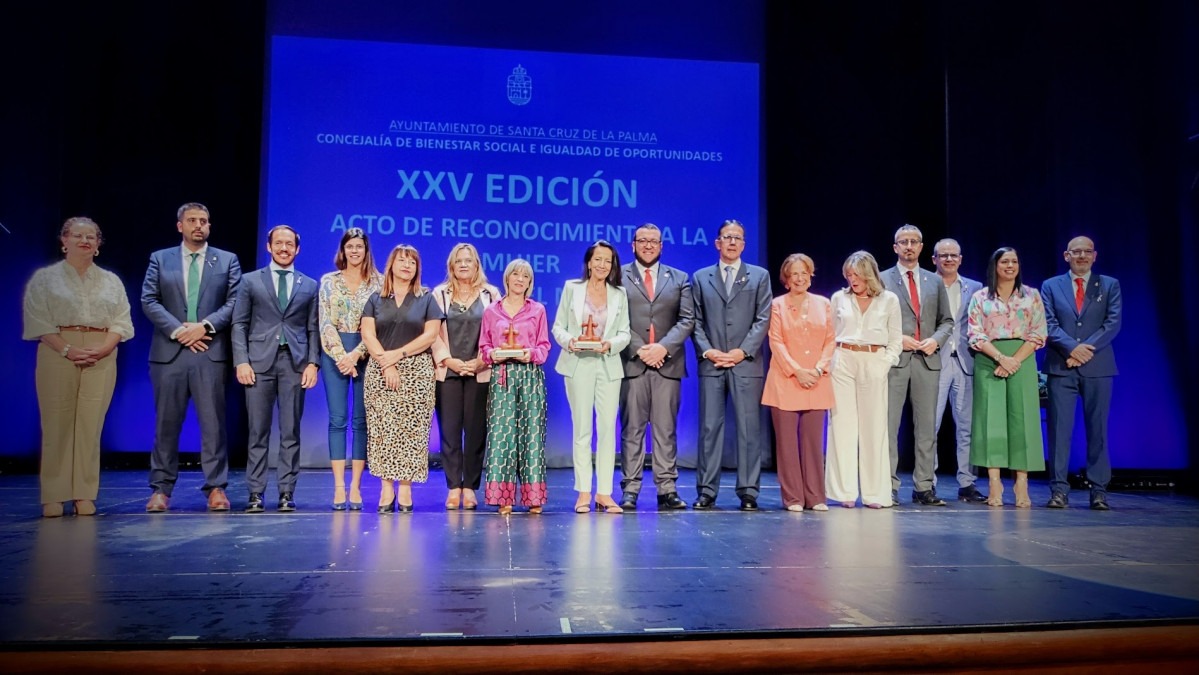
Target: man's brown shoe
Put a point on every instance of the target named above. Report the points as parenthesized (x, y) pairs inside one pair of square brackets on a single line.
[(217, 501), (158, 503)]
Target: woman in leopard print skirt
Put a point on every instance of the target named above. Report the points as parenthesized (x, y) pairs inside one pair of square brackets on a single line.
[(399, 325)]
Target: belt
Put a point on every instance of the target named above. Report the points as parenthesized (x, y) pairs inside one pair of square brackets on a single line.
[(860, 348), (81, 329)]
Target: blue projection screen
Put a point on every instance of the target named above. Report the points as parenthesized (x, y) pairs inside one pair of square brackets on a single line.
[(524, 154)]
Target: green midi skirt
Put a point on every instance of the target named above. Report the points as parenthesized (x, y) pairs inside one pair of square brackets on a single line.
[(1006, 429)]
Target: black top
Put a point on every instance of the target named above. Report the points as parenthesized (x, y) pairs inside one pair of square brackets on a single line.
[(397, 326), (462, 325)]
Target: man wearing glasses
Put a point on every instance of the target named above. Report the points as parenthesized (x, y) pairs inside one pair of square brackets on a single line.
[(927, 323), (732, 315), (1082, 311), (661, 317), (956, 384)]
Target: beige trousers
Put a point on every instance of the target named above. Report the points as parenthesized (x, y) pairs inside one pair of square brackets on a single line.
[(72, 402)]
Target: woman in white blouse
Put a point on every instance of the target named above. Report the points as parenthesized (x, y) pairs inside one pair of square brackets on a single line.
[(78, 313), (868, 336)]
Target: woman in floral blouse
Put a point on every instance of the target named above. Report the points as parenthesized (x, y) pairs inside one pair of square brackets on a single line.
[(1006, 323), (343, 294)]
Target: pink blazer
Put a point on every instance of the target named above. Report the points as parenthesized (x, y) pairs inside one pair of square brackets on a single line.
[(441, 348), (798, 342)]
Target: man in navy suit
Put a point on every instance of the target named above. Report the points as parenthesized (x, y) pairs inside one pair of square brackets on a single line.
[(732, 315), (661, 317), (1082, 310), (276, 347), (188, 295), (927, 323), (957, 365)]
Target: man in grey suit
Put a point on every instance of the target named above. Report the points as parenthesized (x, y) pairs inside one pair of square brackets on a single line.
[(661, 317), (276, 347), (188, 295), (732, 315), (957, 366), (927, 322)]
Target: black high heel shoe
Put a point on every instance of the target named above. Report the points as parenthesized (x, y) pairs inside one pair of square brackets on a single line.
[(403, 508), (388, 507)]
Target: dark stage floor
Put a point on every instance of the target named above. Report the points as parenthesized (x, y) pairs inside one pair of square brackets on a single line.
[(125, 576)]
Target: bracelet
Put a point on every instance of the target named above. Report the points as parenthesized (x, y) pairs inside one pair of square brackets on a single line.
[(65, 350)]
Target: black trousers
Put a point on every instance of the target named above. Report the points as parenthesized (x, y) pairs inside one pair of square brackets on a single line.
[(462, 412)]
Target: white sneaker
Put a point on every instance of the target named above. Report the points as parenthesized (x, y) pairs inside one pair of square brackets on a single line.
[(795, 508)]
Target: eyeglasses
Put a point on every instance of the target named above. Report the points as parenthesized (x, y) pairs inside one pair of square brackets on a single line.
[(1081, 252), (732, 237), (648, 242), (948, 256), (907, 242)]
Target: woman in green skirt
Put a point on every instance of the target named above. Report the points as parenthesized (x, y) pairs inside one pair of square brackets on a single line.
[(515, 339), (1006, 326)]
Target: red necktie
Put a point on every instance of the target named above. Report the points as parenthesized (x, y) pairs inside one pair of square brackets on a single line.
[(915, 300), (1078, 295), (649, 292)]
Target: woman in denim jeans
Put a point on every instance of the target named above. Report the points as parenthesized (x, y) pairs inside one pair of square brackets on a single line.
[(342, 296)]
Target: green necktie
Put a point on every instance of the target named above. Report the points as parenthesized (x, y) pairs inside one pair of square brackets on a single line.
[(282, 299), (193, 287)]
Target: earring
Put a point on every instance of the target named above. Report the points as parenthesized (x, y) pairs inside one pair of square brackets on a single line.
[(96, 253), (64, 249)]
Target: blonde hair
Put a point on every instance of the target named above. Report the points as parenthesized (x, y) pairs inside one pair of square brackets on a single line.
[(478, 281), (414, 286), (519, 265), (866, 267)]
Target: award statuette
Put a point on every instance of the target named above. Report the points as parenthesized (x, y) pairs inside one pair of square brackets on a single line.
[(510, 349), (589, 340)]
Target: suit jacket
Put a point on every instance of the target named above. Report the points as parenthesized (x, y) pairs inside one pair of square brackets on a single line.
[(960, 335), (1097, 324), (568, 324), (671, 312), (164, 300), (258, 322), (736, 321), (936, 321), (800, 341)]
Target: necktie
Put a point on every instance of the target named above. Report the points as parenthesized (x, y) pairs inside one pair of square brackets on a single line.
[(728, 280), (915, 300), (282, 299), (1079, 294), (193, 287), (649, 292)]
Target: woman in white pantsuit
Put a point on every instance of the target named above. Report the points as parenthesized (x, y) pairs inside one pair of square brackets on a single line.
[(868, 335), (592, 376)]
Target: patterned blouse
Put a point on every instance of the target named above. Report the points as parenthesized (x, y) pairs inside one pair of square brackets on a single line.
[(58, 296), (341, 311), (1022, 317)]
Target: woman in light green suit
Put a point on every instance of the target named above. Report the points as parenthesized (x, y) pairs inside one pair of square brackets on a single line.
[(592, 373)]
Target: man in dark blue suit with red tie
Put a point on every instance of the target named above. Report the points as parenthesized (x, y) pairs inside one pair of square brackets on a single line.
[(1083, 311)]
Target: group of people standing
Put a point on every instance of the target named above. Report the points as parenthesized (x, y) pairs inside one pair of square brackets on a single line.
[(393, 351)]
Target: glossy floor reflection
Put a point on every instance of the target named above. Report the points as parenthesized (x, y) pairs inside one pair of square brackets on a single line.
[(316, 574)]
